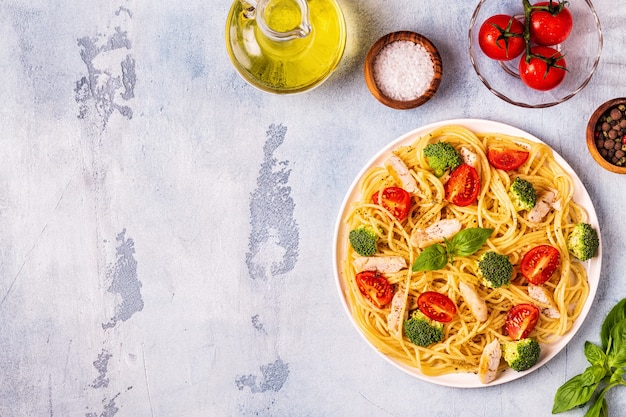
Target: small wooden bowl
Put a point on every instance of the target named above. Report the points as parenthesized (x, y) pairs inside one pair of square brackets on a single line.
[(591, 141), (402, 36)]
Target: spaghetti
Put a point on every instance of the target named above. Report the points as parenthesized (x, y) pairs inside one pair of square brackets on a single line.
[(513, 235)]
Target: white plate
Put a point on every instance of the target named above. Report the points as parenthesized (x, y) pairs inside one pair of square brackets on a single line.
[(466, 380)]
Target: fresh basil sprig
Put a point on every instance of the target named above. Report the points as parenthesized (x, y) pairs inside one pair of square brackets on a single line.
[(606, 370), (464, 243)]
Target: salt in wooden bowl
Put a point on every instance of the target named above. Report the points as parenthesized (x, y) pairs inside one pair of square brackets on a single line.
[(398, 82)]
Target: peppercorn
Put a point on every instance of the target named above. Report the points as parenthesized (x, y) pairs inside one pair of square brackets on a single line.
[(615, 113)]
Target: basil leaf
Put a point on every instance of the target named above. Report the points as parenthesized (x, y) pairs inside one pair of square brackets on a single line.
[(617, 313), (468, 241), (599, 409), (593, 375), (617, 350), (618, 376), (432, 258), (608, 367), (572, 394), (604, 411), (594, 354)]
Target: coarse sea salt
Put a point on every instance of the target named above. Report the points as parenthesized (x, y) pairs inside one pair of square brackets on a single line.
[(403, 70)]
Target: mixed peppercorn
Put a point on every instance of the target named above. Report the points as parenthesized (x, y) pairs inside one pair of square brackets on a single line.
[(610, 135)]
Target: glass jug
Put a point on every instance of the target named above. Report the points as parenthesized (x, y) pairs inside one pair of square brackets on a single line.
[(285, 46)]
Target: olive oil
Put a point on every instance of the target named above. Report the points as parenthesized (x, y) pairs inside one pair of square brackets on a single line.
[(285, 66), (283, 15)]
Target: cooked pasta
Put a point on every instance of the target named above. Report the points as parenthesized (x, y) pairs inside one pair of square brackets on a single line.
[(513, 235)]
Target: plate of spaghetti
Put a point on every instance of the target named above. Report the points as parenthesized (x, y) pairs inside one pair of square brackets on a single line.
[(458, 256)]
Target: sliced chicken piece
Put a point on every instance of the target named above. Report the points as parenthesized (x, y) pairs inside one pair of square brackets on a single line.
[(476, 304), (544, 298), (469, 157), (558, 204), (398, 314), (557, 201), (379, 263), (545, 202), (489, 362), (401, 172), (435, 233)]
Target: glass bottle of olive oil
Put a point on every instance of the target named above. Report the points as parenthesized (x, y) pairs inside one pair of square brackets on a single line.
[(285, 46)]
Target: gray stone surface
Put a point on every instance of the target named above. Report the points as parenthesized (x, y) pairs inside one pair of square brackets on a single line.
[(166, 230)]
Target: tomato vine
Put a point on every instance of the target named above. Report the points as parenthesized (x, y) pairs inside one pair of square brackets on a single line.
[(553, 7)]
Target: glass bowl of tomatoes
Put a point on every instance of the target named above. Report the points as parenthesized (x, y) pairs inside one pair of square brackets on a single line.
[(535, 53)]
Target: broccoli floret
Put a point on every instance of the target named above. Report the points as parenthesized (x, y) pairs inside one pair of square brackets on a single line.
[(583, 241), (495, 269), (363, 240), (442, 156), (423, 331), (521, 354), (523, 194)]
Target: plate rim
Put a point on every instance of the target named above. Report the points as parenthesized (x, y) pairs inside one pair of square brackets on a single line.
[(593, 266)]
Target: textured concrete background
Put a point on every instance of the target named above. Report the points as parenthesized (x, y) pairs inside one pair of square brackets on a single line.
[(166, 229)]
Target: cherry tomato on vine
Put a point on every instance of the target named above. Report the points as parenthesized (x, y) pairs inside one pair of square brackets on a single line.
[(544, 69), (551, 26), (396, 200), (540, 263), (501, 37), (506, 158), (463, 186), (374, 287), (521, 320), (436, 306)]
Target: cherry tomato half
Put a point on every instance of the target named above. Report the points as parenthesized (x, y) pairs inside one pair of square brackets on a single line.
[(463, 186), (501, 37), (506, 158), (540, 263), (374, 287), (396, 200), (436, 306), (521, 320), (537, 73), (551, 26)]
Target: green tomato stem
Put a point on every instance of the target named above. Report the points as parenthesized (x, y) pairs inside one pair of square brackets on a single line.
[(528, 9)]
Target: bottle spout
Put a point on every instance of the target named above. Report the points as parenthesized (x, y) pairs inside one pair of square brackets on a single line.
[(291, 25)]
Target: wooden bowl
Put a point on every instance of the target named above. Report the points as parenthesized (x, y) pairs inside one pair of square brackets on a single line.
[(371, 81), (591, 140)]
